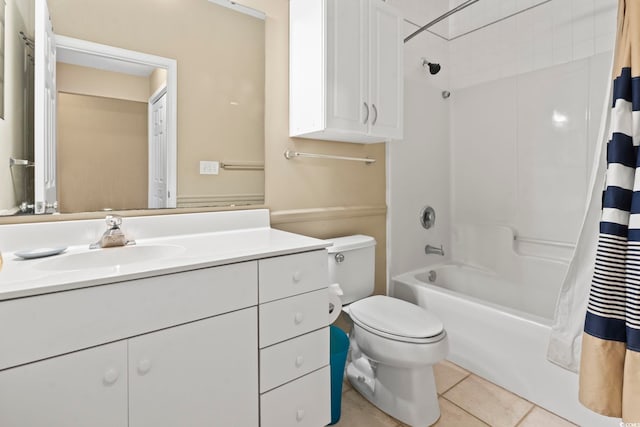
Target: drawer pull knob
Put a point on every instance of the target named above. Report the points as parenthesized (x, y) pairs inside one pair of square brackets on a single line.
[(299, 361), (298, 318), (297, 276), (299, 414), (144, 366), (111, 376)]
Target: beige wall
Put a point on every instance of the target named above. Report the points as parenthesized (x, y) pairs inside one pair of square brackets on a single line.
[(91, 81), (220, 57), (11, 127), (102, 153)]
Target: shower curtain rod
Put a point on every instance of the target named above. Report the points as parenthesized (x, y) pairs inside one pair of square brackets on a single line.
[(440, 18)]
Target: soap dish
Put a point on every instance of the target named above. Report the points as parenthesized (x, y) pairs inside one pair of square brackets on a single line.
[(40, 252)]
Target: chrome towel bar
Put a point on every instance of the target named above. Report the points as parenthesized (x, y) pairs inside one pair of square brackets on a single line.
[(289, 154)]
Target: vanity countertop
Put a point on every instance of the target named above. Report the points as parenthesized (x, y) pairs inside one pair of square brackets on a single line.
[(22, 278)]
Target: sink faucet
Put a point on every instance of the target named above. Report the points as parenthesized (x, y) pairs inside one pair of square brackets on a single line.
[(433, 250), (113, 236)]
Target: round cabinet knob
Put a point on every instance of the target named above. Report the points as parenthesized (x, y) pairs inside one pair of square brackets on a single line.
[(296, 276), (300, 414), (144, 366), (110, 376), (299, 361), (298, 318)]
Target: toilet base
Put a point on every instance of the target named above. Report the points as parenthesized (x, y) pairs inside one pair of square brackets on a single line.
[(407, 394)]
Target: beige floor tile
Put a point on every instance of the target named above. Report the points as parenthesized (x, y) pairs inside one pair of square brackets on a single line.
[(346, 386), (540, 417), (453, 416), (492, 404), (358, 412), (447, 375)]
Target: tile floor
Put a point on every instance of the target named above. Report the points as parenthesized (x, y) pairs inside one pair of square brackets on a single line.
[(466, 400)]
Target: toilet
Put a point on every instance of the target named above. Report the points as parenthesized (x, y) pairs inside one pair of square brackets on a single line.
[(393, 343)]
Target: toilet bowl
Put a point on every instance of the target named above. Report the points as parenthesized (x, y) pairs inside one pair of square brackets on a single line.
[(393, 343)]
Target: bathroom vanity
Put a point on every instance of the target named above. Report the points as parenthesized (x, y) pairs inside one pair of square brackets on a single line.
[(212, 319)]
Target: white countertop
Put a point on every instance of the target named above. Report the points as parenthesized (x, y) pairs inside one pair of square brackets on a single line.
[(23, 278)]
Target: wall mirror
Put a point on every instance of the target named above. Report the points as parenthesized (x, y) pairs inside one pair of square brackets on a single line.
[(105, 119)]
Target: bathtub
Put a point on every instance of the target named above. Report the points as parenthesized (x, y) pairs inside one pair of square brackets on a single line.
[(500, 330)]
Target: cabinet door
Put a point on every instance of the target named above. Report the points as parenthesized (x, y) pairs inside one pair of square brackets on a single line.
[(86, 388), (203, 373), (386, 88), (347, 106)]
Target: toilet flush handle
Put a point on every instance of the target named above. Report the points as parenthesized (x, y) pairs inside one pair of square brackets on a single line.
[(339, 257)]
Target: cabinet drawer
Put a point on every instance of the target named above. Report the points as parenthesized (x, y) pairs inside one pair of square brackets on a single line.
[(284, 276), (291, 359), (291, 317), (62, 322), (302, 403)]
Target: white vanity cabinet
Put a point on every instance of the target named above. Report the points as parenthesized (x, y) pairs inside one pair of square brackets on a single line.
[(199, 374), (85, 388), (202, 373), (194, 348), (294, 341), (346, 70), (185, 353)]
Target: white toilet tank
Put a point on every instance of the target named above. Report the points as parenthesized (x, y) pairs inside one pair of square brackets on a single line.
[(352, 266)]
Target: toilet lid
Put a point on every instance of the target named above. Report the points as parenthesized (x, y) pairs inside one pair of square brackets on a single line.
[(395, 317)]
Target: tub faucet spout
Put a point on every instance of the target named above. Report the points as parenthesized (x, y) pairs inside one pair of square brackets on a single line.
[(434, 250)]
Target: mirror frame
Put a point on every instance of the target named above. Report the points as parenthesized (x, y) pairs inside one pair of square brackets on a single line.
[(79, 46)]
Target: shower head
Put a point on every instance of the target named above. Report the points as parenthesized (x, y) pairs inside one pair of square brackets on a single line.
[(433, 67)]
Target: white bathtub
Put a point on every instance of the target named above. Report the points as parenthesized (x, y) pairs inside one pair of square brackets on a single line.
[(500, 330)]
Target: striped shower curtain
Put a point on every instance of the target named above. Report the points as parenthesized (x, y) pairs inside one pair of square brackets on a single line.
[(610, 362)]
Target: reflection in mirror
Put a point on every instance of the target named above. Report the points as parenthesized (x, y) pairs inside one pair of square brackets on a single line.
[(116, 128), (16, 130), (220, 105)]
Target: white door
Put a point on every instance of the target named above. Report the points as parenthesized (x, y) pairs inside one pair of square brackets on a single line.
[(200, 374), (85, 388), (386, 89), (46, 198), (348, 108), (158, 188)]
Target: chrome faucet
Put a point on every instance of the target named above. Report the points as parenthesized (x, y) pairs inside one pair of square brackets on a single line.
[(114, 236), (434, 250)]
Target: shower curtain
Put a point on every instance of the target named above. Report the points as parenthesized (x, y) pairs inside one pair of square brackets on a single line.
[(610, 360), (565, 341)]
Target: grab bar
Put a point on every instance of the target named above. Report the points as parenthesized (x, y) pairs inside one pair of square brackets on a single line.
[(544, 242)]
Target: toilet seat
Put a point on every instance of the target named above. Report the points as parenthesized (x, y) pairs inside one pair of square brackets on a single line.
[(396, 320)]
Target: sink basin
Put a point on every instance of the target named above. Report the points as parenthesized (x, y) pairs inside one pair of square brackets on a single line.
[(110, 257)]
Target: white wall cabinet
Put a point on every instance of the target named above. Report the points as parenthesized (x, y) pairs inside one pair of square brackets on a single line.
[(346, 70), (179, 349)]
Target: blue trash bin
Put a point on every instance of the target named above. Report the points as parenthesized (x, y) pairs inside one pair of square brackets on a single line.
[(339, 347)]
